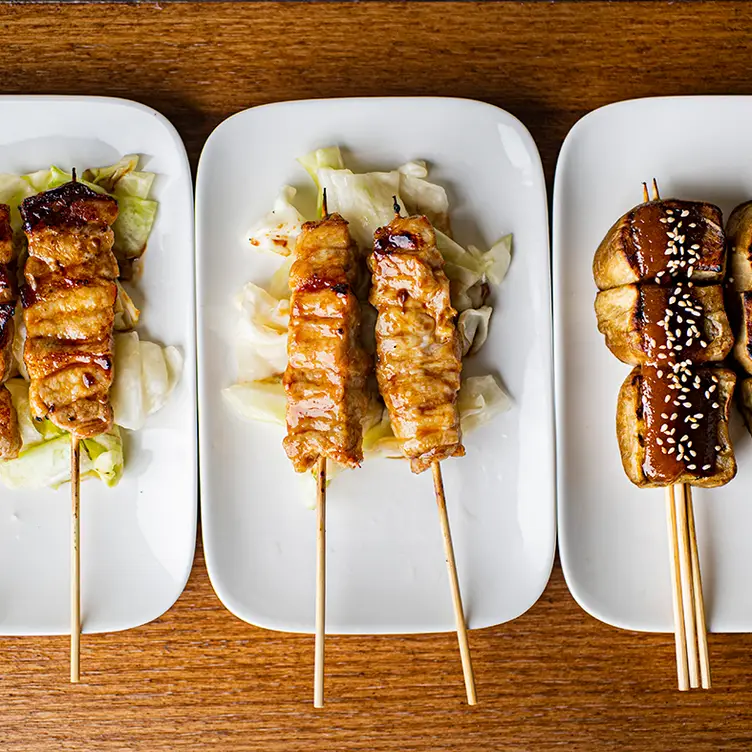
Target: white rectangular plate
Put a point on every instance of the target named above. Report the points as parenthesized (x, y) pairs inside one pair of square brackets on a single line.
[(138, 539), (385, 562), (613, 536)]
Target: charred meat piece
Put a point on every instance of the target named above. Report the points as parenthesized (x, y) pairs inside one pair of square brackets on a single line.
[(68, 304), (10, 438), (325, 379), (417, 345)]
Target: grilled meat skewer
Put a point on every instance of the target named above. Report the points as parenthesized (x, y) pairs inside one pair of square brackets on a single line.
[(326, 374), (68, 301), (10, 437), (418, 348)]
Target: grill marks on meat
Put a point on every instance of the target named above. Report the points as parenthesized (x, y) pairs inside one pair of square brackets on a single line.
[(68, 304), (10, 436), (418, 349), (327, 368)]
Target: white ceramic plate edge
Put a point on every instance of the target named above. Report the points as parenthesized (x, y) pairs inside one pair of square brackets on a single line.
[(260, 620), (190, 350)]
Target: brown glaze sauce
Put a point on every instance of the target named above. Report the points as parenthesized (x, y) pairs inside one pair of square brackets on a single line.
[(679, 400), (667, 240), (681, 417)]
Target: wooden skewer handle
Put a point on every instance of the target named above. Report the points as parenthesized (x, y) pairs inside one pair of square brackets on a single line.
[(318, 671), (75, 599), (459, 614)]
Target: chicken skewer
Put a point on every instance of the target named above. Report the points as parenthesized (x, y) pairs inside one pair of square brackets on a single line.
[(418, 367), (10, 435), (68, 300), (325, 379)]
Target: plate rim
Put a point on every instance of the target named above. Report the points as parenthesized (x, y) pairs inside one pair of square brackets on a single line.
[(566, 557), (260, 619), (190, 343)]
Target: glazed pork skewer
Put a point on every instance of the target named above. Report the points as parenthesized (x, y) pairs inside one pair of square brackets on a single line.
[(418, 367), (68, 300), (10, 436), (325, 379)]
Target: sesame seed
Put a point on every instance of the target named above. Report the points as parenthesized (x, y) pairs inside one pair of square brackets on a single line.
[(718, 448), (693, 224), (685, 213), (660, 374), (659, 441), (715, 405), (691, 467), (706, 467)]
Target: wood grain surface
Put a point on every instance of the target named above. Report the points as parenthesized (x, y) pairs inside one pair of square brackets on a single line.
[(200, 679)]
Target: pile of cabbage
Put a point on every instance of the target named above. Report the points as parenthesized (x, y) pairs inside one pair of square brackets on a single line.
[(366, 201), (145, 373)]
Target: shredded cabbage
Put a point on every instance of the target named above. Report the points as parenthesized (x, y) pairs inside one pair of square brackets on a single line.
[(365, 200), (277, 231), (481, 399), (260, 401), (473, 328), (145, 375), (261, 343), (126, 313), (44, 459)]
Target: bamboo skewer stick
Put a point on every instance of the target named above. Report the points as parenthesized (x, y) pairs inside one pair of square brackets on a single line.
[(699, 603), (320, 619), (679, 633), (454, 583), (687, 587), (318, 671), (692, 660), (75, 595)]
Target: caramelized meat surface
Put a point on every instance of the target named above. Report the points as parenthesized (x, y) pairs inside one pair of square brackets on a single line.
[(68, 304), (326, 374), (418, 348)]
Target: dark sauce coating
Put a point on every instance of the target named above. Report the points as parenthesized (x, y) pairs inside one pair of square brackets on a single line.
[(690, 227), (672, 322), (386, 242), (681, 418), (6, 323), (71, 205)]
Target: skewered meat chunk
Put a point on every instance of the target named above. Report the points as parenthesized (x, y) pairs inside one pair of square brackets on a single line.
[(327, 368), (68, 306), (640, 322), (418, 348), (662, 239), (10, 437), (667, 436)]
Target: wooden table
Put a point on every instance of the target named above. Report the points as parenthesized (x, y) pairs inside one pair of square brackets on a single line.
[(198, 678)]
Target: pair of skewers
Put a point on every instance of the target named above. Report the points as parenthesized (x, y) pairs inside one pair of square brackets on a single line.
[(690, 629), (459, 614), (320, 617)]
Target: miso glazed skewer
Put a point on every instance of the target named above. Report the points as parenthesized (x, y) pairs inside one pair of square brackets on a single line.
[(68, 299), (418, 367), (661, 308), (325, 379)]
